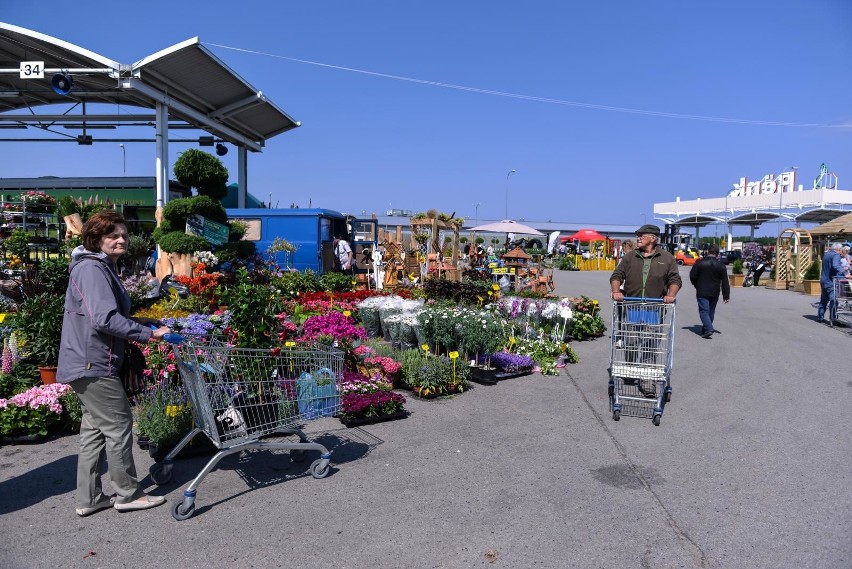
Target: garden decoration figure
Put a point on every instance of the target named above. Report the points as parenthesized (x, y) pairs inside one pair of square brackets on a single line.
[(94, 330), (648, 272), (831, 269), (707, 276)]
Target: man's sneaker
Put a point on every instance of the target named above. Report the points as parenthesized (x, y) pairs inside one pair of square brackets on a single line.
[(708, 334)]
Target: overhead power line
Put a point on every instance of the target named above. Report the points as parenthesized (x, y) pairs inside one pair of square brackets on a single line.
[(538, 99)]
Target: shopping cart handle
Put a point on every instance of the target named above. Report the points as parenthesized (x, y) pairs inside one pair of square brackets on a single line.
[(641, 299), (171, 337)]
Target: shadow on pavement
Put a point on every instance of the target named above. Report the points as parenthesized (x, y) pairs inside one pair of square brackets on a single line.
[(52, 479)]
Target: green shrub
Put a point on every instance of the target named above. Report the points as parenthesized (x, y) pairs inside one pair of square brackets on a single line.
[(812, 274), (737, 268), (53, 274), (238, 230), (236, 250), (293, 283), (177, 242), (337, 282), (254, 308), (202, 171), (39, 321), (176, 211)]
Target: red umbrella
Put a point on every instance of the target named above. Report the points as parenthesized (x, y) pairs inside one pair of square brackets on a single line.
[(584, 236)]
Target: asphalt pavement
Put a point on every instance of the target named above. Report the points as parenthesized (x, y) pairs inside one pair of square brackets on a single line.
[(749, 468)]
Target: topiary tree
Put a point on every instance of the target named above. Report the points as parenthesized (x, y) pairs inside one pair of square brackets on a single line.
[(202, 171), (812, 274)]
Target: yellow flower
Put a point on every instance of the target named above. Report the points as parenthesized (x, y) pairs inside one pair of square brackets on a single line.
[(495, 286)]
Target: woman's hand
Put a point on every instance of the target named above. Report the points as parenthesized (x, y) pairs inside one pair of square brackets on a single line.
[(160, 332)]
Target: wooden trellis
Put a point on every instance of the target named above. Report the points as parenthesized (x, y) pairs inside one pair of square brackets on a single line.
[(433, 246), (794, 252)]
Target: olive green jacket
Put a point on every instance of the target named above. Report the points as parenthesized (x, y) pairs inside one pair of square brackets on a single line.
[(663, 272)]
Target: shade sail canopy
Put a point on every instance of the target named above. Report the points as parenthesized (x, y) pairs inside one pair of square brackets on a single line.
[(585, 235), (507, 226)]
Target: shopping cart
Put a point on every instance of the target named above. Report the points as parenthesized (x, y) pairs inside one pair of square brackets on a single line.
[(841, 309), (641, 357), (241, 395)]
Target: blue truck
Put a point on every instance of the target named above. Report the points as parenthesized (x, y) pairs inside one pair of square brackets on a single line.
[(311, 231)]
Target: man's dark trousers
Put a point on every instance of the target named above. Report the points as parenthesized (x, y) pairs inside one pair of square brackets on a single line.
[(707, 311)]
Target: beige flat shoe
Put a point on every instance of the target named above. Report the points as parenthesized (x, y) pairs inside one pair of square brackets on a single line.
[(142, 503)]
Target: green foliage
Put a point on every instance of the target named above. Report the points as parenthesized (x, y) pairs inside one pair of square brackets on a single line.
[(162, 414), (337, 282), (291, 284), (39, 321), (566, 263), (535, 251), (238, 230), (586, 326), (176, 211), (72, 411), (462, 240), (480, 240), (737, 267), (236, 250), (68, 206), (464, 292), (178, 242), (24, 375), (53, 275), (18, 243), (70, 244), (202, 171), (139, 246), (812, 274), (254, 308), (16, 421)]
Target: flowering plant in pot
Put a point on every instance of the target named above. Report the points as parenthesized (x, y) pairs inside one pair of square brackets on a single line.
[(163, 415), (38, 322), (373, 405), (37, 201), (33, 412)]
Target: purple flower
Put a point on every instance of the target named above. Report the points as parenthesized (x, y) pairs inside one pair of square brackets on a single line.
[(511, 362)]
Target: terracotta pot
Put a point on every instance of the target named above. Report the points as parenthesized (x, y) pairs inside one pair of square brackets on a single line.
[(48, 375)]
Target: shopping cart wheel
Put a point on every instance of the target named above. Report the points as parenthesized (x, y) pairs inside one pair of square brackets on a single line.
[(180, 514), (616, 415), (161, 475), (667, 394), (656, 420), (318, 470)]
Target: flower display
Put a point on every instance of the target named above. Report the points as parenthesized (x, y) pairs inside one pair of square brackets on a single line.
[(364, 405), (37, 201), (512, 362), (387, 365), (32, 412), (198, 325), (356, 383), (332, 325), (207, 258), (160, 359)]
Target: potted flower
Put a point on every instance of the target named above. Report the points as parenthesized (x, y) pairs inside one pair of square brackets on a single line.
[(36, 201), (38, 323), (511, 365), (737, 276), (163, 416)]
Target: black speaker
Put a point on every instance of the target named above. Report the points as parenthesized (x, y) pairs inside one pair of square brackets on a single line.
[(221, 149), (62, 83)]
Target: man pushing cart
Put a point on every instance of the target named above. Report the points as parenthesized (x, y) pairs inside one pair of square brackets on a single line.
[(644, 286)]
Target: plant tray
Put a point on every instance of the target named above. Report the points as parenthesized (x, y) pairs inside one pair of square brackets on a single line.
[(510, 374), (349, 423), (483, 376)]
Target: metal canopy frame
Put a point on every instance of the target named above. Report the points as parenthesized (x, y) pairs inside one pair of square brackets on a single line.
[(186, 85)]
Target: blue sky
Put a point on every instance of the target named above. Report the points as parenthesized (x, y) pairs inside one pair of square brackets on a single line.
[(369, 142)]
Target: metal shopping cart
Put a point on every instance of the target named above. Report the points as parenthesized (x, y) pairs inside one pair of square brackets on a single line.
[(841, 309), (240, 395), (641, 358)]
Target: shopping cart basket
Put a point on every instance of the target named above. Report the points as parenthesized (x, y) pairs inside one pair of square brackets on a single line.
[(841, 309), (240, 395), (641, 357)]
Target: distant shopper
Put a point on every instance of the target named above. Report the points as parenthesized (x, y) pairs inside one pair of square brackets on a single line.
[(647, 272), (831, 268), (343, 257), (708, 274), (627, 247)]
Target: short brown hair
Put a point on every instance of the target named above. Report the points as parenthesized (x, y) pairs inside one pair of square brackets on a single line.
[(100, 224)]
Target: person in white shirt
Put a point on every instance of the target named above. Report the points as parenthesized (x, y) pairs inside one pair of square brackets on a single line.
[(343, 255)]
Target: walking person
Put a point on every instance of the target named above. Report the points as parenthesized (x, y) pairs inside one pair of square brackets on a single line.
[(649, 271), (95, 328), (831, 269), (708, 274)]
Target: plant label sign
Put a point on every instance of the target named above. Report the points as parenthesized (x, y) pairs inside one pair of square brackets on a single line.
[(216, 233)]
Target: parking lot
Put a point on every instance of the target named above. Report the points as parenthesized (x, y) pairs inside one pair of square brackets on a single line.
[(749, 468)]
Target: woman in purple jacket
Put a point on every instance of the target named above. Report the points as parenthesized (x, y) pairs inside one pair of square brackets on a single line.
[(94, 330)]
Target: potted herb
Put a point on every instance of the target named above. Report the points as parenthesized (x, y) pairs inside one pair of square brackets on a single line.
[(737, 276)]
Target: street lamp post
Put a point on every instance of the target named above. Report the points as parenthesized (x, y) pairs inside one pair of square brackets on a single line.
[(507, 192), (476, 206), (781, 196), (123, 159)]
